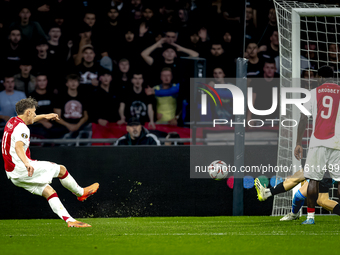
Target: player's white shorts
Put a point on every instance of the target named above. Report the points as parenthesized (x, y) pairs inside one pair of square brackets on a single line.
[(320, 159), (43, 174)]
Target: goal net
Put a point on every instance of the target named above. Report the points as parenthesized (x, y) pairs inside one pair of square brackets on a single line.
[(308, 37)]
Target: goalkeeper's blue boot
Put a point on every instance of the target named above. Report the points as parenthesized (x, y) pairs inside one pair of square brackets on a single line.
[(309, 221)]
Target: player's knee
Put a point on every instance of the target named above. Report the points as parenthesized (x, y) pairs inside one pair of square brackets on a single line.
[(320, 202), (62, 170), (48, 192)]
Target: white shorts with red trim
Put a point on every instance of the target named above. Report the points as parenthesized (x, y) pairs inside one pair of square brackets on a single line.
[(320, 159), (43, 174)]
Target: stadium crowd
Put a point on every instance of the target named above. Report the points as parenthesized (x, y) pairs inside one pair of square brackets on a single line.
[(107, 61)]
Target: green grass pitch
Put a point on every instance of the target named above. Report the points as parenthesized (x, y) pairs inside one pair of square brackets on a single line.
[(171, 235)]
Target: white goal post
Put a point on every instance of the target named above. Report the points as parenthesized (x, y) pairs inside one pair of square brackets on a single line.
[(290, 15)]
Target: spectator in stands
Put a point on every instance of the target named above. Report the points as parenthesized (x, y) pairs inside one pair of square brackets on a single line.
[(44, 97), (308, 80), (309, 55), (229, 43), (90, 18), (58, 52), (308, 58), (14, 50), (136, 5), (198, 41), (31, 30), (8, 98), (106, 101), (171, 36), (172, 135), (123, 75), (166, 97), (79, 43), (218, 57), (272, 49), (255, 63), (130, 48), (97, 39), (262, 90), (112, 30), (267, 31), (181, 21), (88, 70), (137, 135), (148, 25), (169, 55), (251, 31), (229, 12), (333, 56), (86, 38), (136, 103), (226, 110), (71, 108), (42, 62), (25, 81)]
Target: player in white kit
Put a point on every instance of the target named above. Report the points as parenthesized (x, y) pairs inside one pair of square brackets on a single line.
[(324, 146), (32, 175)]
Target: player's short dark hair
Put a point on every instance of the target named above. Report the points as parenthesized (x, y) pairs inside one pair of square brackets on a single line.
[(24, 104), (72, 76), (326, 72)]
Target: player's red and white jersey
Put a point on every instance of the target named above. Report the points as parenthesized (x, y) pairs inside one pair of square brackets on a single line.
[(324, 106), (15, 130)]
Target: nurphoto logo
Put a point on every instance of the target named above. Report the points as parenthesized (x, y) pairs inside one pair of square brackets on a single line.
[(238, 104)]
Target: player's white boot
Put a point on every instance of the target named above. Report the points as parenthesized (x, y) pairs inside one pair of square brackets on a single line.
[(290, 216)]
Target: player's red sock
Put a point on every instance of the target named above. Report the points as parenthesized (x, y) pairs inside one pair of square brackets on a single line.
[(69, 183), (310, 213), (58, 207)]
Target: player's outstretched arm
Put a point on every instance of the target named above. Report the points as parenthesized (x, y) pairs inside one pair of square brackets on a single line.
[(50, 116), (19, 149)]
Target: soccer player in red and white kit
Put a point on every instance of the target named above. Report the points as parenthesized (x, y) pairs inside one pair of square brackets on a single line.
[(324, 146), (33, 175)]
